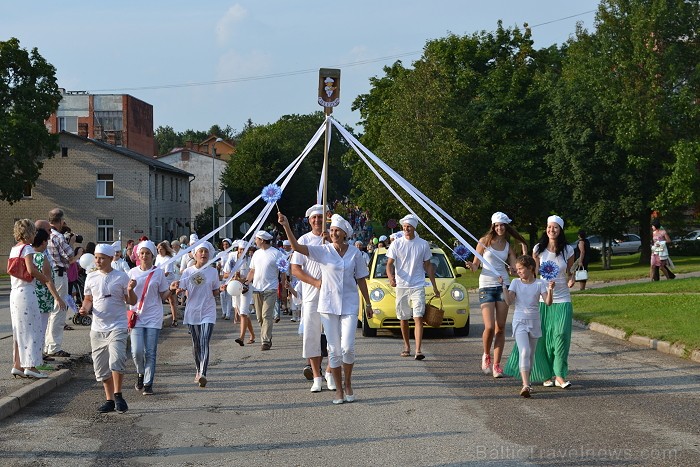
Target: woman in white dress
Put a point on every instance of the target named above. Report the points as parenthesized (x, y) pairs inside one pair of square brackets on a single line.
[(343, 271), (241, 302), (24, 307)]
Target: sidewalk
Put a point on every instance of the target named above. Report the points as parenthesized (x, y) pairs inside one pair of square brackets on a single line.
[(16, 393)]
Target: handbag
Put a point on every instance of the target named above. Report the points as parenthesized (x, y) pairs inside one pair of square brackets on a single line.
[(581, 274), (17, 267), (433, 315), (133, 315)]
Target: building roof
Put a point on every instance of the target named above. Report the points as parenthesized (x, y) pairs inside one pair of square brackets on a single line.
[(150, 161)]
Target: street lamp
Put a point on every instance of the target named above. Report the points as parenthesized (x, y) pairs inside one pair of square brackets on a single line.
[(213, 184)]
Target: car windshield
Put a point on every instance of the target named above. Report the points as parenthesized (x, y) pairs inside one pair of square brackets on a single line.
[(442, 269)]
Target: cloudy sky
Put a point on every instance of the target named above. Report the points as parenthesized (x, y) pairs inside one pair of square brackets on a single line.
[(215, 61)]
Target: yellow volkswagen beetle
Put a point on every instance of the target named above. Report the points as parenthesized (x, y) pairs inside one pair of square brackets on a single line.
[(455, 301)]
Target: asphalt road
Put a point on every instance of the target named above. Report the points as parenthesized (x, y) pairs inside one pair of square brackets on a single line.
[(627, 406)]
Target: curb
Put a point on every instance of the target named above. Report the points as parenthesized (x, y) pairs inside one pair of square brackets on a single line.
[(678, 350), (24, 396)]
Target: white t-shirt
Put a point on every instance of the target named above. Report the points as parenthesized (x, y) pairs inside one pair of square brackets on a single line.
[(561, 288), (171, 271), (201, 303), (264, 262), (495, 258), (527, 298), (121, 265), (152, 309), (408, 256), (108, 292), (311, 267), (14, 253), (338, 295)]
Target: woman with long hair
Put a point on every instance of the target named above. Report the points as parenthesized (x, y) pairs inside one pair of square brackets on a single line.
[(659, 252), (494, 247)]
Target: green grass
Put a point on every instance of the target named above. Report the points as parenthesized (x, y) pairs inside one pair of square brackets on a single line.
[(673, 316), (690, 284), (628, 267)]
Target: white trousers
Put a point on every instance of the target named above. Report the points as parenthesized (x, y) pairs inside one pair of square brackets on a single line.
[(340, 332), (57, 318), (311, 323)]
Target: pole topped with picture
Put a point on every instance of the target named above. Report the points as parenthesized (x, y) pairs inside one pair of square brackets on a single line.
[(328, 89)]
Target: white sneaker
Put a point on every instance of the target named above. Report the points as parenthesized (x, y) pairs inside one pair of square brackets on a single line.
[(330, 382), (318, 382)]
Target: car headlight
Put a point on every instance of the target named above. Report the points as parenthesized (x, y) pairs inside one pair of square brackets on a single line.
[(458, 294), (376, 295)]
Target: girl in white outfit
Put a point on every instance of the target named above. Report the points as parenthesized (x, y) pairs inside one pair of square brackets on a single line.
[(165, 254), (525, 292)]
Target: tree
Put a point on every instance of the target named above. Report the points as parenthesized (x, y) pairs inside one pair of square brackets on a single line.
[(465, 127), (264, 151), (635, 83), (28, 96)]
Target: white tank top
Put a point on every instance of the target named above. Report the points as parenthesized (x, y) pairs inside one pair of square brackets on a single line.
[(495, 258)]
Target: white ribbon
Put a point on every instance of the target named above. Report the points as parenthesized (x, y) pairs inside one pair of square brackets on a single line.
[(423, 200)]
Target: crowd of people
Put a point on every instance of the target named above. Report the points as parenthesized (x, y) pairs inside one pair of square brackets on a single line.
[(124, 291)]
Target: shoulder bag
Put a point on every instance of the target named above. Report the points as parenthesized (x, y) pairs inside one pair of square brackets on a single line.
[(17, 267)]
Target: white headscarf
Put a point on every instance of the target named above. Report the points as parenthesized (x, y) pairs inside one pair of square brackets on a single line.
[(104, 249), (316, 209), (556, 219), (262, 234), (338, 221), (207, 246), (147, 244), (410, 219)]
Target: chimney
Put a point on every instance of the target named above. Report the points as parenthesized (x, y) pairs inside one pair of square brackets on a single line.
[(195, 147), (83, 130), (188, 144)]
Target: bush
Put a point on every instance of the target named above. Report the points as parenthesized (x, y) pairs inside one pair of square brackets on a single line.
[(684, 248)]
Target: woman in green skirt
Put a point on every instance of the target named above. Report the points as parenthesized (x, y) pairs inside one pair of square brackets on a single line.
[(551, 357)]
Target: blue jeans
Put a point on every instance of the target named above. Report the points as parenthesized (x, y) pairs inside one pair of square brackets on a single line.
[(144, 345)]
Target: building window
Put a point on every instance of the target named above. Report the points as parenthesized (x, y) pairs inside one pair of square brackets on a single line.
[(105, 185), (64, 151), (69, 124), (105, 230), (27, 193)]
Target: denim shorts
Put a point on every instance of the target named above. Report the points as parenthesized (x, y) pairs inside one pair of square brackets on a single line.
[(490, 294)]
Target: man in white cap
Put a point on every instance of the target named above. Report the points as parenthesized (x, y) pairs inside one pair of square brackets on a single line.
[(106, 292), (264, 275), (308, 272), (408, 262), (360, 246)]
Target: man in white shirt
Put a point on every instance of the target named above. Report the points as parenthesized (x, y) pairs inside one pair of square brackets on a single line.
[(264, 275), (408, 261)]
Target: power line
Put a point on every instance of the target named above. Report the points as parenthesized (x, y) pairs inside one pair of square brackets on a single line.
[(297, 72)]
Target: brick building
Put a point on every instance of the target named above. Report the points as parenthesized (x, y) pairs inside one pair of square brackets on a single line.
[(117, 119), (104, 191)]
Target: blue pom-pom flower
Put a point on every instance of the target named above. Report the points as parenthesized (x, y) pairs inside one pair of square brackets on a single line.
[(271, 193), (549, 270), (461, 253), (283, 265)]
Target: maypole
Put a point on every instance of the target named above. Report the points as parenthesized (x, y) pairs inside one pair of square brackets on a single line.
[(328, 97)]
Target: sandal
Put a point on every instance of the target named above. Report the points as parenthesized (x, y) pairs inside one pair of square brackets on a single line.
[(67, 328), (251, 341), (406, 353), (419, 356), (174, 325)]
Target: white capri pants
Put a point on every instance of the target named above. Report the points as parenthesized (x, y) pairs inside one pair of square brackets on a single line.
[(242, 302), (311, 323), (340, 332)]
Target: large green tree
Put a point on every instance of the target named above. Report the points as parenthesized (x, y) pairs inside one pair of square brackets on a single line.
[(28, 96), (627, 119), (264, 151), (465, 127)]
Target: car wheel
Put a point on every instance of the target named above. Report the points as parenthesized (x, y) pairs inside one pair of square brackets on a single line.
[(367, 331), (464, 331)]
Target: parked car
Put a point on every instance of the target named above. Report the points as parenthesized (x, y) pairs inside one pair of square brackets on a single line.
[(689, 237), (627, 244), (455, 301)]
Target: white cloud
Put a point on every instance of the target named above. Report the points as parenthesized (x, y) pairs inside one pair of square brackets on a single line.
[(224, 27)]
